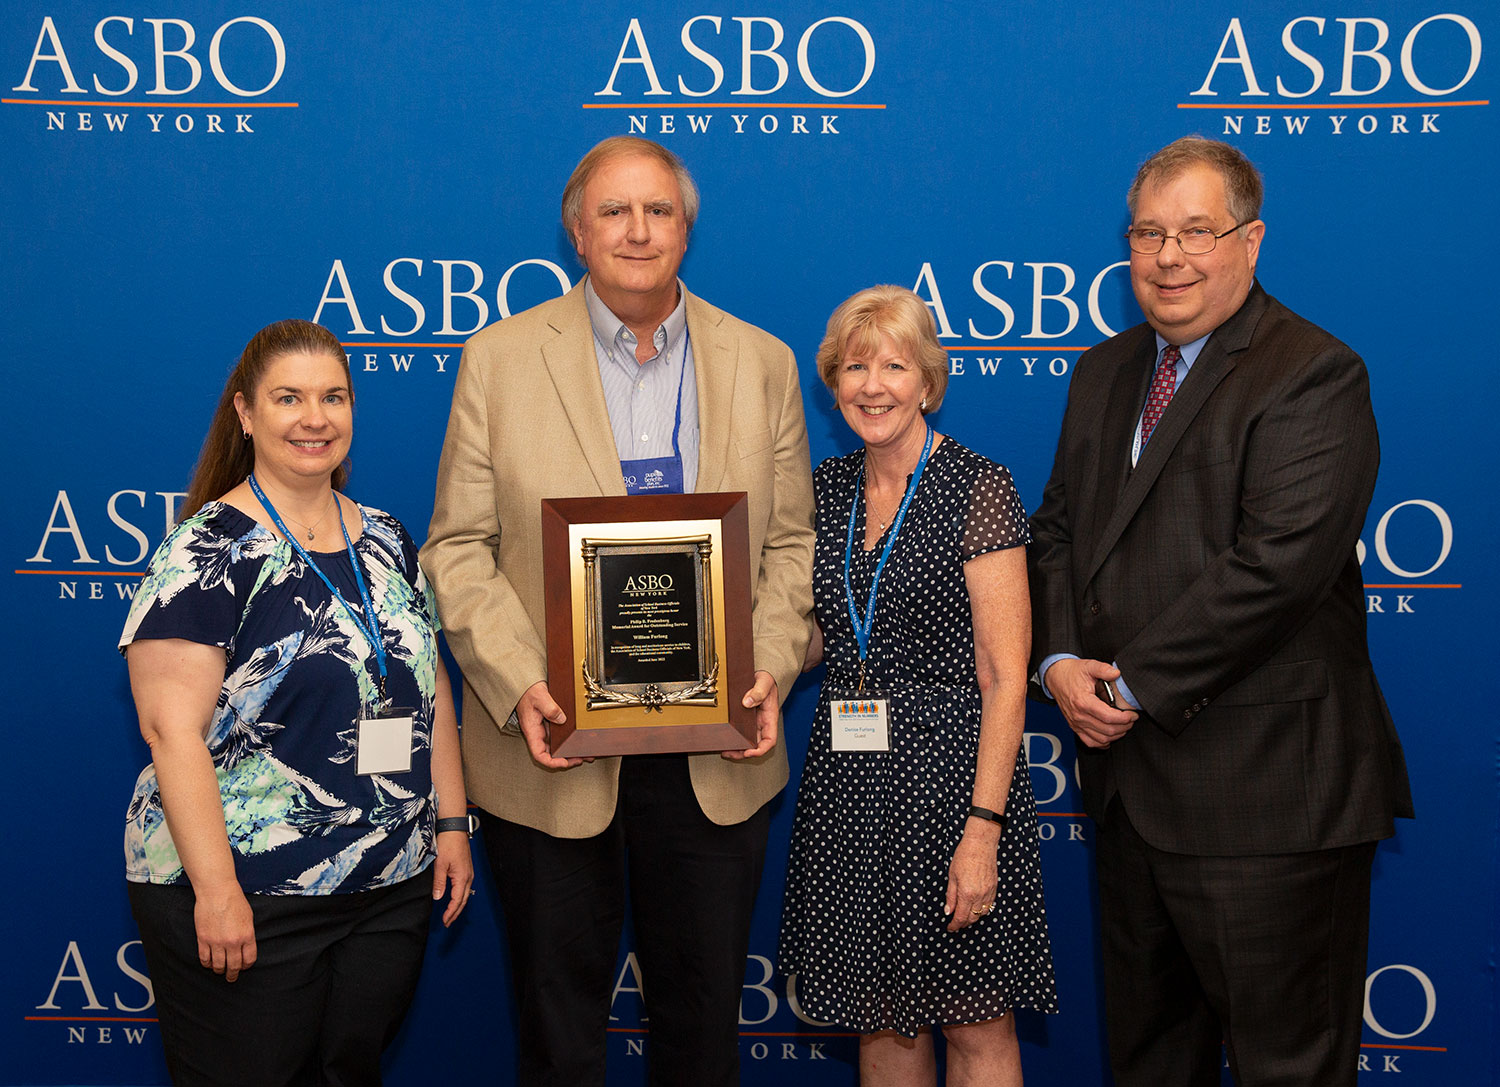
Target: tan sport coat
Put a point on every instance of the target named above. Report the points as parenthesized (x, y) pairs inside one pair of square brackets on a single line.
[(529, 422)]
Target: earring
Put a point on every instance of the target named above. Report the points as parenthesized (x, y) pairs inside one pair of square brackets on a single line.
[(924, 403), (246, 433)]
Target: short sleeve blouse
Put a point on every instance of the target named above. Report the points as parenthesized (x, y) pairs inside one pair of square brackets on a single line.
[(299, 674)]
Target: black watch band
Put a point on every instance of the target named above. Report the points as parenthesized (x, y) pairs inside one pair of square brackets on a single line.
[(975, 811), (464, 823)]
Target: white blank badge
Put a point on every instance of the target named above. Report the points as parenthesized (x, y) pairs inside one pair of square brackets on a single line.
[(385, 743), (859, 724)]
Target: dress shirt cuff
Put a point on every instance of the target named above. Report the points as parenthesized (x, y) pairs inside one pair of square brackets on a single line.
[(1048, 662), (1123, 690)]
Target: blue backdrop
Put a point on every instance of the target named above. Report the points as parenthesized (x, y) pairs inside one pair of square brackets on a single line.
[(177, 176)]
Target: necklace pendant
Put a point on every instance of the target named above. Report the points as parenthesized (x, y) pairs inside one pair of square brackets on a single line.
[(310, 535)]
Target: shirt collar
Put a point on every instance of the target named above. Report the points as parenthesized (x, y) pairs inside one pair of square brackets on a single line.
[(614, 336), (1189, 350)]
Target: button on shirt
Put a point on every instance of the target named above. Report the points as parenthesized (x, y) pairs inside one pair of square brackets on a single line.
[(641, 397)]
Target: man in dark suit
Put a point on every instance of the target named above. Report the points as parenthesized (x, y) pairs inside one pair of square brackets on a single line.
[(1199, 619)]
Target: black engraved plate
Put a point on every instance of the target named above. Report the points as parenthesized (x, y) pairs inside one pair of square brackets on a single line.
[(648, 606)]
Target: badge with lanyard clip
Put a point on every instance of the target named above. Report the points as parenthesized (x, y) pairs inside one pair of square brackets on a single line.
[(383, 733), (859, 723), (862, 723)]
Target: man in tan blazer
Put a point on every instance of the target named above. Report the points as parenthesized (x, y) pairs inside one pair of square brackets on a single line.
[(628, 367)]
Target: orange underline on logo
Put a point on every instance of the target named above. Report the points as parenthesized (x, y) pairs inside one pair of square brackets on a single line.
[(87, 573), (996, 347), (1413, 586), (396, 343), (87, 1019), (733, 105), (1418, 1048), (756, 1033), (174, 105), (1250, 107)]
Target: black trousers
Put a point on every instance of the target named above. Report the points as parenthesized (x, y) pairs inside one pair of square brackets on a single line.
[(692, 887), (333, 978), (1266, 954)]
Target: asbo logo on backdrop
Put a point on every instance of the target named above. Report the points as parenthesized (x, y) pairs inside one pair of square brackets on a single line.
[(170, 55), (158, 62), (746, 65)]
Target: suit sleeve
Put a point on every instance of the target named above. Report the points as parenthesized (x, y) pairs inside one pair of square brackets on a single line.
[(492, 637), (783, 599), (1308, 475), (1053, 619)]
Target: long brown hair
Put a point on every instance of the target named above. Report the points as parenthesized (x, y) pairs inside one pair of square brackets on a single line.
[(228, 456)]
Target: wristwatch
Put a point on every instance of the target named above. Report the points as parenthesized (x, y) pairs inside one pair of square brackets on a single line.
[(993, 816), (466, 823)]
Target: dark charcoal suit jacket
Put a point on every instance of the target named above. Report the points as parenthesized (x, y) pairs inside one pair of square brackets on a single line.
[(1220, 575)]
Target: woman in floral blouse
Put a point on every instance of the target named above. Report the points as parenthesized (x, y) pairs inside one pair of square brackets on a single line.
[(305, 802)]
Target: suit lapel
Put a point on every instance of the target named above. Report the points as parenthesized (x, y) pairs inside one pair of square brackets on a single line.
[(574, 366), (1127, 392), (1214, 364), (715, 360)]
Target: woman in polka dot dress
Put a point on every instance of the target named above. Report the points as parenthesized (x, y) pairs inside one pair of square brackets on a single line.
[(914, 892)]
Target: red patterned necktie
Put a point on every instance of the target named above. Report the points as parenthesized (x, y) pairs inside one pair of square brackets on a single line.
[(1163, 385)]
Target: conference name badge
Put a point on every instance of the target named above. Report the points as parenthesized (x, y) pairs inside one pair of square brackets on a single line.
[(860, 724), (384, 745)]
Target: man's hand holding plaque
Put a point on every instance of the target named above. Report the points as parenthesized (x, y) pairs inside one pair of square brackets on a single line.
[(533, 714), (764, 699)]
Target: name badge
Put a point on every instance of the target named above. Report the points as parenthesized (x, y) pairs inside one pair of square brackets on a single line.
[(859, 724), (384, 745), (652, 475)]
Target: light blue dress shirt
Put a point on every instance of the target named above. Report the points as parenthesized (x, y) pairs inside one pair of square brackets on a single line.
[(641, 397)]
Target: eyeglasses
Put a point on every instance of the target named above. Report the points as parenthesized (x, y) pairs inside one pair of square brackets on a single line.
[(1194, 241)]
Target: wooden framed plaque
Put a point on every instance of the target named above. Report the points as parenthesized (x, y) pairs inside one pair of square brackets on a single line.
[(649, 638)]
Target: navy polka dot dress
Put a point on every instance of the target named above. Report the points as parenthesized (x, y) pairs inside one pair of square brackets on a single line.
[(862, 925)]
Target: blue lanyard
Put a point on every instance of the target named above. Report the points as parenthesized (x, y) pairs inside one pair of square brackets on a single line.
[(862, 628), (370, 631), (681, 378)]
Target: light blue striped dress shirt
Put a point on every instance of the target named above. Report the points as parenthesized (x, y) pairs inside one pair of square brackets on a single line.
[(642, 396)]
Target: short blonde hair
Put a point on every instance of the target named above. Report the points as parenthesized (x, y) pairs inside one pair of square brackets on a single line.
[(856, 328)]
